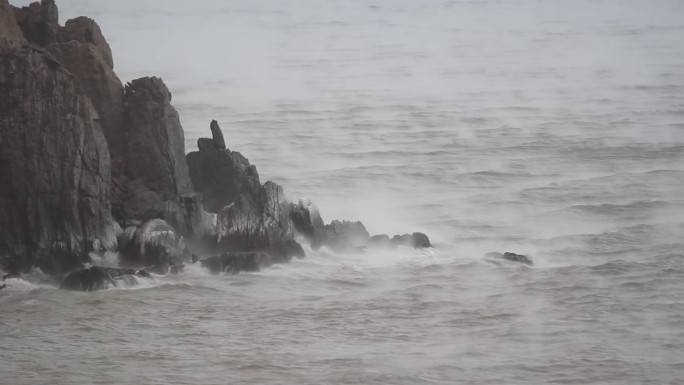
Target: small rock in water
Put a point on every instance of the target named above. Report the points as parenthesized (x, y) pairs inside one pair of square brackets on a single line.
[(510, 257), (416, 240)]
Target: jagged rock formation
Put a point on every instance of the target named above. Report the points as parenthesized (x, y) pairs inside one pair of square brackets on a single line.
[(251, 217), (54, 159), (155, 181), (11, 36), (88, 164), (219, 174)]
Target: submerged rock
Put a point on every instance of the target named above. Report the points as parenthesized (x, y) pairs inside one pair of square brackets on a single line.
[(511, 257), (98, 278), (237, 262)]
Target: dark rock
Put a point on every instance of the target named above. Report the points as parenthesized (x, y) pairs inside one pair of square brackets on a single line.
[(11, 36), (510, 257), (176, 269), (152, 245), (206, 144), (415, 240), (221, 176), (3, 286), (306, 219), (94, 77), (260, 224), (39, 22), (143, 274), (237, 262), (86, 30), (402, 240), (217, 135), (341, 235), (94, 278), (381, 240), (155, 183), (156, 144), (54, 168), (420, 240), (517, 258)]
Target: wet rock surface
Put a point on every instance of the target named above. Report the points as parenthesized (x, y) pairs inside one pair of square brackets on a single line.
[(513, 257), (237, 262), (88, 165), (54, 167), (98, 278)]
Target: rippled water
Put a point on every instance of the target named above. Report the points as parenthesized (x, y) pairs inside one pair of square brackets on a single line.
[(548, 128)]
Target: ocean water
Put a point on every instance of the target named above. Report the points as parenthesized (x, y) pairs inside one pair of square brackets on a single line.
[(549, 128)]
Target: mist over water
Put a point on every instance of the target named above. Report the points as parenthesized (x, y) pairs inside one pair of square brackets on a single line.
[(553, 129)]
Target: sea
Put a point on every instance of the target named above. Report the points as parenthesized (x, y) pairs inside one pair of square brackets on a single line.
[(549, 128)]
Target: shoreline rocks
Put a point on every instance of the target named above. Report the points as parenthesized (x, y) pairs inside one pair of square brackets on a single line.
[(89, 165)]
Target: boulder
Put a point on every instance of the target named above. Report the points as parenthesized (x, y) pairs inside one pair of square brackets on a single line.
[(153, 245), (98, 278), (519, 258), (420, 241), (415, 240), (341, 235)]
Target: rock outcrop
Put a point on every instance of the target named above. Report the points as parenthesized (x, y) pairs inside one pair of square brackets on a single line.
[(250, 216), (11, 36), (88, 165), (39, 22), (221, 175), (54, 161)]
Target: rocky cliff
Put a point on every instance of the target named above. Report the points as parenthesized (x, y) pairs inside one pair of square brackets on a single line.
[(89, 165)]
